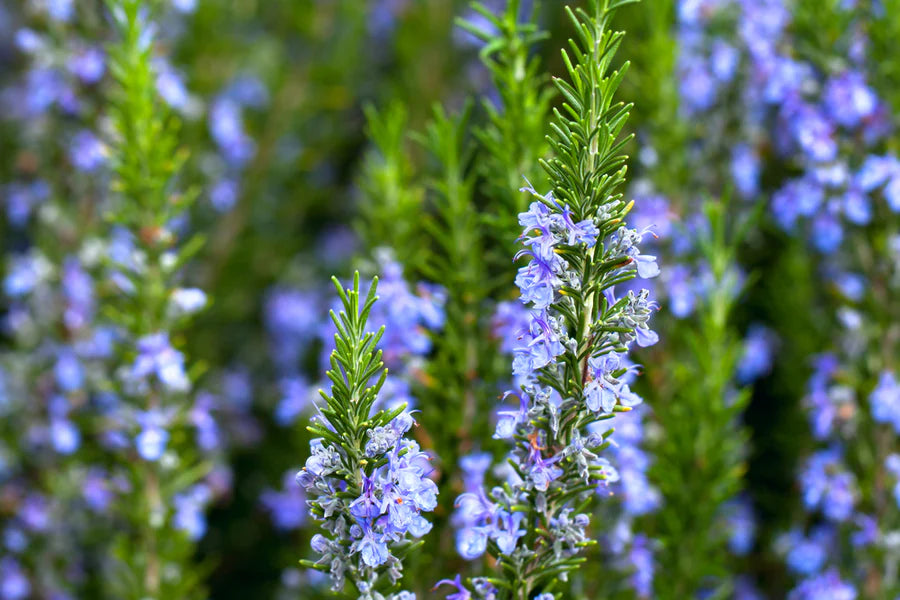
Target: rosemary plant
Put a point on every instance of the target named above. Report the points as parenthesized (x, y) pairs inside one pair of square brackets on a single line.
[(699, 466), (573, 354), (365, 481), (160, 509)]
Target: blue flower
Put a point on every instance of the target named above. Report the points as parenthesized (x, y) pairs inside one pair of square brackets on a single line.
[(171, 87), (540, 470), (86, 152), (848, 99), (856, 207), (583, 232), (295, 398), (88, 64), (188, 301), (474, 466), (152, 440), (69, 372), (756, 354), (745, 169), (600, 396), (60, 10), (227, 128), (537, 281), (799, 197), (65, 436), (508, 419), (697, 86), (828, 485), (471, 542), (542, 345), (189, 511), (827, 586), (287, 507), (680, 288), (157, 357), (507, 531), (741, 524), (884, 400), (367, 505), (827, 233), (806, 556), (371, 547), (724, 60), (640, 555), (14, 584), (24, 274), (812, 131), (461, 592), (876, 171), (892, 464)]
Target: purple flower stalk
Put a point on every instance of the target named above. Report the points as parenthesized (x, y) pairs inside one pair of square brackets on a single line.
[(365, 482), (570, 352)]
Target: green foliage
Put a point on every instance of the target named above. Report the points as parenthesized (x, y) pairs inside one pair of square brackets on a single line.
[(588, 165), (512, 139), (146, 134), (354, 362), (392, 198), (586, 171), (701, 450)]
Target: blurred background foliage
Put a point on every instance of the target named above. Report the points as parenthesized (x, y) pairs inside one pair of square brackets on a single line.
[(366, 138)]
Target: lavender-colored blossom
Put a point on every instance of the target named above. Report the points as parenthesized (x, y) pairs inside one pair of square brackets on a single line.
[(828, 485), (848, 99), (724, 60), (21, 200), (188, 301), (461, 592), (68, 372), (827, 586), (295, 398), (800, 197), (806, 555), (697, 85), (190, 508), (86, 152), (224, 193), (208, 435), (652, 212), (152, 440), (884, 401), (741, 524), (88, 64), (65, 436), (227, 128), (157, 357), (78, 290), (756, 355), (287, 508), (745, 169), (827, 233), (14, 583), (97, 490), (640, 556), (171, 86), (24, 273)]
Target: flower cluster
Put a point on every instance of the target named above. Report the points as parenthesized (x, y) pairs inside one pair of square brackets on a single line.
[(368, 491)]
